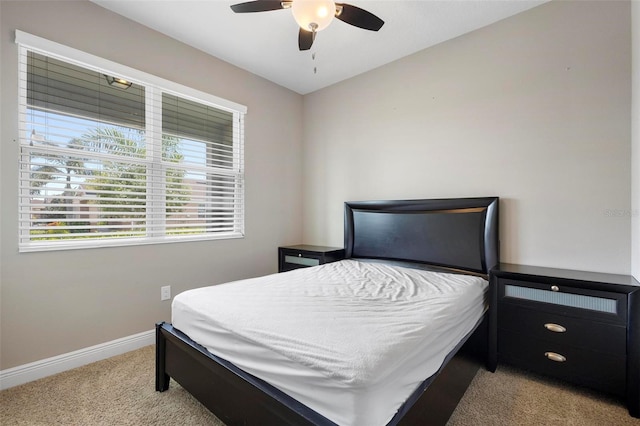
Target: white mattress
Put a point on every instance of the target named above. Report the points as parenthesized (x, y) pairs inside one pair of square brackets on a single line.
[(351, 340)]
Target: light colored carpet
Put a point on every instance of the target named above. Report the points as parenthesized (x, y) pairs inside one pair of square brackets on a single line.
[(514, 397), (120, 391)]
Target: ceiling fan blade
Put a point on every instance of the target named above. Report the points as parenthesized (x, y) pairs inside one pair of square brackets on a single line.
[(256, 6), (305, 39), (359, 17)]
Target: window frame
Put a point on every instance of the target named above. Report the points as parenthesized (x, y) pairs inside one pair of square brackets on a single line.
[(155, 87)]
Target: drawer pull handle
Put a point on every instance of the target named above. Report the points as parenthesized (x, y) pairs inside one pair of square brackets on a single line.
[(555, 288), (556, 328), (555, 357)]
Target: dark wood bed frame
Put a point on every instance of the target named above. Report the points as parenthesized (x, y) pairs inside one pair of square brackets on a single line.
[(458, 235)]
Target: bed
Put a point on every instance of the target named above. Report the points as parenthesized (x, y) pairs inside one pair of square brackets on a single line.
[(455, 238)]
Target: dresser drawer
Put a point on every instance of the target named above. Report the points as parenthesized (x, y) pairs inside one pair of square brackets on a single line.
[(578, 365), (563, 330), (567, 300)]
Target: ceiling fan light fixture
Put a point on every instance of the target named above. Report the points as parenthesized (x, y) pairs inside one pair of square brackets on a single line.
[(313, 15)]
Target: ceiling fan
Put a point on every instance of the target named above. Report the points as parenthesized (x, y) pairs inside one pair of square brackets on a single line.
[(314, 15)]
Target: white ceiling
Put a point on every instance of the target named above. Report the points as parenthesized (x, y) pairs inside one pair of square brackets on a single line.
[(266, 43)]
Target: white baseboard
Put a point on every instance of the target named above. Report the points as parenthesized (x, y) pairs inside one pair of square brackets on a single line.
[(36, 370)]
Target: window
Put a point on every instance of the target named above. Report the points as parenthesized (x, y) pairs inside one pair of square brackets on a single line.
[(114, 156)]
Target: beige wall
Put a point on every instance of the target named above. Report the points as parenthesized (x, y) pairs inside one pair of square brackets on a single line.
[(534, 109), (58, 302), (635, 159)]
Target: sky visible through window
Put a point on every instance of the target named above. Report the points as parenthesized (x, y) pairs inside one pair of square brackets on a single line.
[(49, 129)]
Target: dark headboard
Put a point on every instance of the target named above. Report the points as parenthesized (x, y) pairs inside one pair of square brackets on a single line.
[(456, 233)]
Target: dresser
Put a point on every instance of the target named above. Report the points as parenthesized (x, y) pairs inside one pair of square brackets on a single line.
[(581, 327), (303, 256)]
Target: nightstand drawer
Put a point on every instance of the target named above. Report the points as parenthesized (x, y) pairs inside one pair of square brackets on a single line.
[(563, 330), (294, 259), (299, 260), (304, 256), (584, 367)]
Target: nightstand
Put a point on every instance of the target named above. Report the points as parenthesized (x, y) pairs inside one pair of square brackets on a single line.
[(582, 327), (302, 256)]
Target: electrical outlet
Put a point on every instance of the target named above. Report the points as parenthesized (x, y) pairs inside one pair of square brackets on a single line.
[(165, 292)]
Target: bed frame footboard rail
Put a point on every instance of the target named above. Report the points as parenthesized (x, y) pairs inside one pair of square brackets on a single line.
[(162, 378), (234, 396)]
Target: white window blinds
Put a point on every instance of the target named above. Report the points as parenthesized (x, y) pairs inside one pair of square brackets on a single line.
[(113, 160)]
